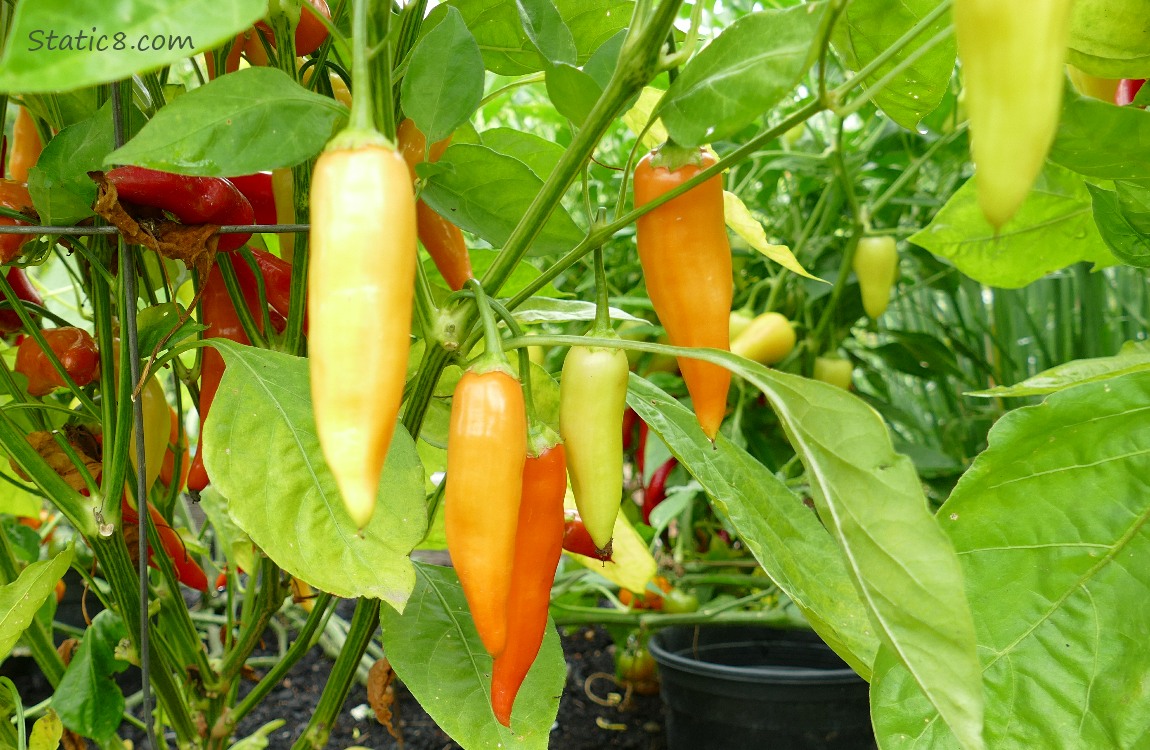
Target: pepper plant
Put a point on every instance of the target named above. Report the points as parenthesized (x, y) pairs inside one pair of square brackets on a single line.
[(1001, 609)]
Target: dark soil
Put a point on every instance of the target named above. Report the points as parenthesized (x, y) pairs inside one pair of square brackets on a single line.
[(582, 724)]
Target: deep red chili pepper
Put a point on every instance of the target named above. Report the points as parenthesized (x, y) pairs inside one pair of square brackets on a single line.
[(188, 571), (220, 316), (538, 545), (277, 282), (310, 32), (257, 188), (657, 489), (641, 449), (629, 418), (577, 539), (74, 347), (9, 320), (1127, 89), (193, 200)]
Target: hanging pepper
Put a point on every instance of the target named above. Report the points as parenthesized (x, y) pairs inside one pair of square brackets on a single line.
[(768, 340), (26, 146), (188, 571), (1012, 71), (656, 491), (361, 280), (310, 32), (74, 347), (220, 316), (486, 451), (14, 197), (576, 539), (442, 239), (592, 399), (875, 263), (538, 545), (177, 443), (257, 188), (1127, 89), (18, 280), (686, 261), (193, 200)]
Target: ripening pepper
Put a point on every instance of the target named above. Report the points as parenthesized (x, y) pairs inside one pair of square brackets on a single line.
[(361, 280), (442, 239), (592, 400), (835, 371), (14, 196), (74, 347), (26, 146), (538, 545), (486, 451), (1012, 70), (686, 260), (25, 292), (767, 340), (188, 571), (875, 264)]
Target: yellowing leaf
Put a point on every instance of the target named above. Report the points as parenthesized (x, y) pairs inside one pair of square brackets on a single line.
[(631, 566), (739, 218), (638, 116), (46, 732)]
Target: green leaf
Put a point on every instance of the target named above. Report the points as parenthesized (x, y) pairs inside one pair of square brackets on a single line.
[(444, 81), (139, 36), (267, 461), (243, 122), (871, 28), (538, 153), (783, 534), (20, 599), (1097, 139), (870, 499), (739, 76), (16, 497), (59, 183), (1133, 357), (1050, 524), (485, 193), (602, 64), (88, 699), (1054, 229), (572, 91), (46, 732), (158, 323), (505, 46), (435, 650), (546, 30), (1121, 216), (548, 310), (1110, 39)]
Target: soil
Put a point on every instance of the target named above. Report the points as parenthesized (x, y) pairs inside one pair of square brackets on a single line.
[(582, 723)]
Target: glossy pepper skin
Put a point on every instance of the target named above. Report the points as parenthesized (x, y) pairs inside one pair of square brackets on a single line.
[(767, 340), (1012, 65), (592, 399), (656, 491), (538, 546), (361, 280), (219, 314), (1127, 89), (74, 347), (26, 146), (875, 264), (310, 32), (13, 196), (257, 188), (486, 452), (686, 260), (9, 320), (442, 239), (188, 571), (193, 200), (177, 442), (576, 539)]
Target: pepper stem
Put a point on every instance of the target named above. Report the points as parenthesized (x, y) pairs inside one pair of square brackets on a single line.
[(493, 342)]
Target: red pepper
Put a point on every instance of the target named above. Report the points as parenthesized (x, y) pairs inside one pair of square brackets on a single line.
[(629, 418), (1127, 89), (641, 450), (188, 571), (9, 320), (193, 200), (257, 188), (310, 32), (657, 489), (13, 196), (74, 347), (577, 539), (538, 545), (220, 316), (277, 282)]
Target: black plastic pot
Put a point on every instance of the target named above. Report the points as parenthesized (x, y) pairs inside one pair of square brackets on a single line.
[(762, 688)]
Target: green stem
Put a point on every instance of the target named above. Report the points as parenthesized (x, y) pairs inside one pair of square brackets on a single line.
[(299, 647), (363, 625), (602, 305), (362, 105), (257, 614), (492, 339)]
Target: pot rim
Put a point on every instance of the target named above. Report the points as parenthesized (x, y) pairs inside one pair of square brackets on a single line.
[(757, 674)]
